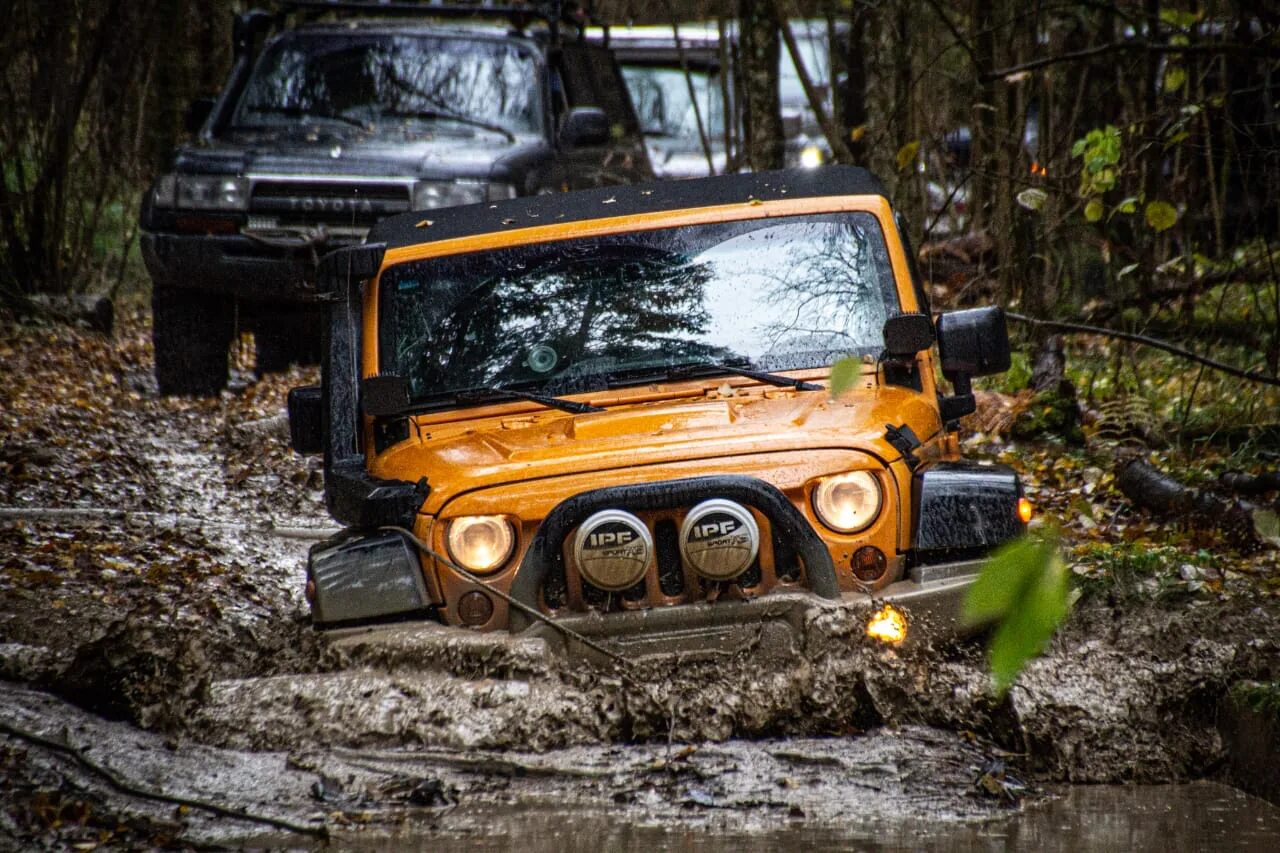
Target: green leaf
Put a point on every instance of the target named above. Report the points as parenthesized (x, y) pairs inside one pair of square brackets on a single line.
[(1124, 271), (1093, 210), (844, 373), (1023, 588), (1032, 199), (1128, 205), (1078, 148), (1161, 215), (1174, 77), (1027, 628), (996, 590)]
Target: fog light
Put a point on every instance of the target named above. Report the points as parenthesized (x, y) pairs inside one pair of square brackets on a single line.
[(612, 549), (888, 625), (1024, 510), (475, 608), (868, 564), (719, 539)]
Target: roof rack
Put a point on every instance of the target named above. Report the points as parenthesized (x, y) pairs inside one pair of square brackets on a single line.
[(553, 12)]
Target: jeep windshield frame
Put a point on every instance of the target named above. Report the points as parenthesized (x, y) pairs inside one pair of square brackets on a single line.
[(581, 314), (394, 82)]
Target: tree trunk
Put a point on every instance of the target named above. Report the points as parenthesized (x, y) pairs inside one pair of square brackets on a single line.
[(761, 50), (853, 95)]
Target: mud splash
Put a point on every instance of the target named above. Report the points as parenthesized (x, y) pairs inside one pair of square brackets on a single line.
[(1137, 702)]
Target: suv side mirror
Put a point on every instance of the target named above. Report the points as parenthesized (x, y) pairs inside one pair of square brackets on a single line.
[(973, 342), (584, 127), (306, 431), (907, 334), (970, 343), (197, 114)]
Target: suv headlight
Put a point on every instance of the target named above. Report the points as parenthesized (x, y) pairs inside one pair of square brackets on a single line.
[(430, 194), (480, 543), (848, 502), (201, 192)]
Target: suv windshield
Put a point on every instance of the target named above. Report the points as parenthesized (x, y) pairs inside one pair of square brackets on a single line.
[(384, 82), (576, 315), (663, 105)]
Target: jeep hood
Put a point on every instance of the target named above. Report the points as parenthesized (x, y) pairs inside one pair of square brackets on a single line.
[(524, 443)]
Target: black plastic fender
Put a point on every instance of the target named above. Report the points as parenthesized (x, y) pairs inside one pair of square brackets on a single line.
[(364, 578), (963, 508)]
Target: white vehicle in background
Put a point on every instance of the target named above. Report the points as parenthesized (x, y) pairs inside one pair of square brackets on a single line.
[(683, 85)]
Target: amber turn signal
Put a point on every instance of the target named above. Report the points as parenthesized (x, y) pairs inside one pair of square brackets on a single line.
[(1024, 510)]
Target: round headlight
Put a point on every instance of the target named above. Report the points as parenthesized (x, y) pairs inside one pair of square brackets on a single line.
[(848, 502), (480, 543)]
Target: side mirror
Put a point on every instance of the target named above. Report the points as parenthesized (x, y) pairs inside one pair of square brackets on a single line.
[(973, 343), (970, 343), (306, 430), (197, 114), (907, 334), (584, 127)]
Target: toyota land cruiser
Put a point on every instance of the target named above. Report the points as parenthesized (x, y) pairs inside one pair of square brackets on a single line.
[(338, 114)]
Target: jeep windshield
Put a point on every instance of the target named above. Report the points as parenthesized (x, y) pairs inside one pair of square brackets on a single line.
[(393, 83), (579, 315)]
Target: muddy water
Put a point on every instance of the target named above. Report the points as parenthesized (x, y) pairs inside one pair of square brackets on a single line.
[(1137, 819), (903, 788)]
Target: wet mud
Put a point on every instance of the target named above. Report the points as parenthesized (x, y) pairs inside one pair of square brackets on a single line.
[(154, 617)]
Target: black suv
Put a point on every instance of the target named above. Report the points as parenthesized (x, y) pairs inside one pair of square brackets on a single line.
[(338, 114)]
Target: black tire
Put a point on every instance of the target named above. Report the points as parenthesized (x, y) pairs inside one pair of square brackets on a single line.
[(285, 338), (191, 333)]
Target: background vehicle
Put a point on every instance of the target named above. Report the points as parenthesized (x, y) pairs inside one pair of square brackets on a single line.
[(607, 410), (662, 65), (351, 112)]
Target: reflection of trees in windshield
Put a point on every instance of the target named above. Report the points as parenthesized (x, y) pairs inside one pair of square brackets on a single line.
[(560, 319), (777, 294), (798, 294), (385, 79)]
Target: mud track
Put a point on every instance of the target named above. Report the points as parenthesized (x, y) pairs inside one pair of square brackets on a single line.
[(152, 575)]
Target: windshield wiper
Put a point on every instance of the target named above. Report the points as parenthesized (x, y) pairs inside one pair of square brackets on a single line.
[(304, 113), (444, 115), (482, 392), (712, 367)]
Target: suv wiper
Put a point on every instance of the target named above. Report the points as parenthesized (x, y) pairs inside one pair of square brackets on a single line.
[(304, 113), (482, 392), (448, 116), (712, 367)]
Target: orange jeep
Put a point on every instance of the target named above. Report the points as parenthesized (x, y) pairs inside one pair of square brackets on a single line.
[(607, 414)]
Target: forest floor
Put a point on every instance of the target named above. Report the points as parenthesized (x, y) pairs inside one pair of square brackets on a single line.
[(152, 623)]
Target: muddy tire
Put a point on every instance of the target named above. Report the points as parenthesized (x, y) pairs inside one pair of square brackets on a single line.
[(285, 339), (191, 333)]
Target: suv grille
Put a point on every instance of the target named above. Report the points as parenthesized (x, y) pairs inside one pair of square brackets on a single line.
[(328, 201)]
